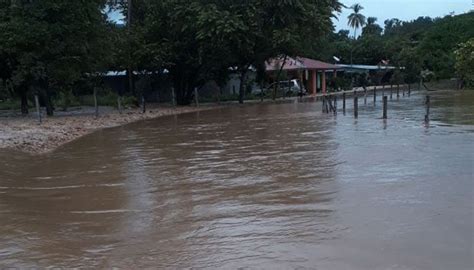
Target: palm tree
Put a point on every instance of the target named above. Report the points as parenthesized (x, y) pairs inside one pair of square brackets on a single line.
[(371, 20), (356, 20), (371, 28)]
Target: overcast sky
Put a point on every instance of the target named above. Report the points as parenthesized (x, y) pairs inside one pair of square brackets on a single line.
[(403, 9)]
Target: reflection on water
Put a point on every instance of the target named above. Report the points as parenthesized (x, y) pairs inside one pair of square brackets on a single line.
[(268, 186)]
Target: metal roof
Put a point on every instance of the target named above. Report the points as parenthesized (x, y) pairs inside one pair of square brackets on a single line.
[(366, 67)]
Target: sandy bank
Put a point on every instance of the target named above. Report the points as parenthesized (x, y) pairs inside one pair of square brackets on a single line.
[(26, 135)]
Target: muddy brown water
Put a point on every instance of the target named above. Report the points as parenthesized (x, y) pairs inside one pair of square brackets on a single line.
[(261, 187)]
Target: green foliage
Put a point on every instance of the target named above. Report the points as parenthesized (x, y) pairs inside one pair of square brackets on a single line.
[(199, 40), (422, 44), (465, 61), (48, 45)]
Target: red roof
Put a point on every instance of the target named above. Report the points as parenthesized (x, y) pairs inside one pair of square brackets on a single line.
[(298, 63), (316, 64), (290, 64)]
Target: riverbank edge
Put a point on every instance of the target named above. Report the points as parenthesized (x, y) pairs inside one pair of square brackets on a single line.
[(25, 135)]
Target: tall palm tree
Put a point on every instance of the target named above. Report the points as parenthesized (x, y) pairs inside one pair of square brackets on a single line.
[(356, 20)]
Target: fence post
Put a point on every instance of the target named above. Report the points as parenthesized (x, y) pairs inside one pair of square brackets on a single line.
[(196, 97), (344, 103), (375, 95), (173, 97), (119, 104), (324, 103), (143, 104), (328, 104), (427, 115), (356, 106), (385, 102), (365, 96), (96, 105), (38, 109), (335, 104)]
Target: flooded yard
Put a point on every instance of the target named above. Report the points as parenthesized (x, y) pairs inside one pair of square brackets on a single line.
[(281, 186)]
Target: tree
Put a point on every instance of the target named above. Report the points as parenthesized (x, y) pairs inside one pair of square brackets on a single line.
[(465, 62), (200, 40), (253, 32), (371, 28), (52, 44), (356, 20)]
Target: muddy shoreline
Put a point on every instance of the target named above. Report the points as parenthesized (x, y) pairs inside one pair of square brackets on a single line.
[(24, 134)]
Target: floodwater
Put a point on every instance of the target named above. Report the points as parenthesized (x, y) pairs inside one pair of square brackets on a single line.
[(262, 187)]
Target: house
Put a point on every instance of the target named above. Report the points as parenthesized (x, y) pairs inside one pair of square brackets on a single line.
[(311, 73)]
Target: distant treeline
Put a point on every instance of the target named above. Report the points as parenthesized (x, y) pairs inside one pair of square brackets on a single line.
[(434, 45)]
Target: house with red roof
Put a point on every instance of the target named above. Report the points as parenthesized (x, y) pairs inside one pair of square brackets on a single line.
[(311, 73)]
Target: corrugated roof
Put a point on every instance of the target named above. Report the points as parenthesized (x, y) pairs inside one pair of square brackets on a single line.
[(367, 67)]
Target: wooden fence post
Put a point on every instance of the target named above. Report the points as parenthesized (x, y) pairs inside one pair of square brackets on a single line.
[(375, 95), (328, 104), (356, 106), (143, 104), (96, 105), (196, 97), (385, 102), (119, 104), (427, 115), (344, 103), (38, 109), (324, 103), (173, 97), (365, 96)]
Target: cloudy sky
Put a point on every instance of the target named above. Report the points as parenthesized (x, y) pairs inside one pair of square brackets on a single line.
[(404, 9)]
